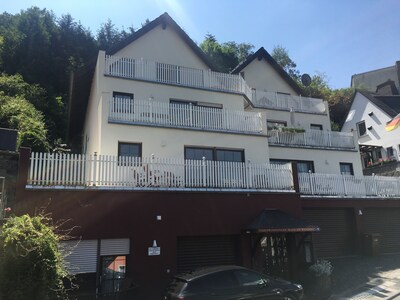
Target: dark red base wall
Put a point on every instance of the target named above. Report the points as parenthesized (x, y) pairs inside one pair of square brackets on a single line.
[(133, 214)]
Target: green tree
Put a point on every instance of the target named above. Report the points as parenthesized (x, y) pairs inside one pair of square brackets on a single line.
[(18, 102), (225, 57), (108, 36), (31, 265), (281, 55)]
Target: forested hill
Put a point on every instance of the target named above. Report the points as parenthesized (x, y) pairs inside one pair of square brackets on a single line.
[(38, 51)]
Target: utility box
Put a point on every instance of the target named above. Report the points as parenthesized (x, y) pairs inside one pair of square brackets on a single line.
[(372, 243)]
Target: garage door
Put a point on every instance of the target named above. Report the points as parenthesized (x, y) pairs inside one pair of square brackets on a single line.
[(200, 251), (338, 232), (385, 221)]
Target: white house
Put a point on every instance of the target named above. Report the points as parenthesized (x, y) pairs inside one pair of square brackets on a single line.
[(368, 115)]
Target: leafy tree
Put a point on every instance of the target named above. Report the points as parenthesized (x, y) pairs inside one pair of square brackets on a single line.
[(225, 57), (18, 102), (31, 265), (281, 55)]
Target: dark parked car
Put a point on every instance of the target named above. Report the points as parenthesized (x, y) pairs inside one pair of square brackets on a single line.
[(230, 282)]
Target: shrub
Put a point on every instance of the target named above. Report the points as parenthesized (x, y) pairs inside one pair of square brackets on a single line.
[(31, 265), (321, 267)]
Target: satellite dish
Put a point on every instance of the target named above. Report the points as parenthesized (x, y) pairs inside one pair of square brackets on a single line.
[(305, 79)]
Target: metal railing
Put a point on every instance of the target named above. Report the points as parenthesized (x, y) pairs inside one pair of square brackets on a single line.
[(267, 99), (173, 74), (314, 139), (188, 116), (73, 170), (348, 185)]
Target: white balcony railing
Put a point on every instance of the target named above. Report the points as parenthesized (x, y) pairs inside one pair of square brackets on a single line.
[(172, 74), (314, 139), (90, 171), (276, 100), (178, 115), (348, 185)]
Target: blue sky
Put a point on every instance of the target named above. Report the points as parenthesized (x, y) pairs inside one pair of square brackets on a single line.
[(339, 38)]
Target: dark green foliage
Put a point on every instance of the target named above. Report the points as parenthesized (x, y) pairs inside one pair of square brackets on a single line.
[(44, 50), (108, 36), (31, 265), (281, 55), (20, 105), (225, 57)]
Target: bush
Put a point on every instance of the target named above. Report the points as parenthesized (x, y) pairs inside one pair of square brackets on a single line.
[(321, 267), (31, 265)]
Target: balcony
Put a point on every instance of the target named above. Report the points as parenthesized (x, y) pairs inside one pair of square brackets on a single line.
[(150, 112), (313, 139), (142, 69), (72, 171), (274, 100), (83, 172), (336, 185)]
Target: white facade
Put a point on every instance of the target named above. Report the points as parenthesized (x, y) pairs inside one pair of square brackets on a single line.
[(363, 111), (159, 69)]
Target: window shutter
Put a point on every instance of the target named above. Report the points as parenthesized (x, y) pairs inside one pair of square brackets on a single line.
[(114, 247), (81, 256)]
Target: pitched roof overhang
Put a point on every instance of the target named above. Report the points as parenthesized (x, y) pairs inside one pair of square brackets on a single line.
[(263, 54), (164, 20), (277, 221)]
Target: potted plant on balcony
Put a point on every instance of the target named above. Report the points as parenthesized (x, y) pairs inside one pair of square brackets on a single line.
[(319, 280)]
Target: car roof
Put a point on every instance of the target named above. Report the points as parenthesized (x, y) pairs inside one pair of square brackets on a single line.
[(200, 272)]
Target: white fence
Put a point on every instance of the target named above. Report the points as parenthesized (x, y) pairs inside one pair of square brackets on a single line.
[(180, 115), (313, 138), (276, 100), (173, 74), (348, 185), (73, 170)]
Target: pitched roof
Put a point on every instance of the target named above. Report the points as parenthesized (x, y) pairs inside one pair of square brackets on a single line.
[(82, 79), (263, 54), (164, 20), (389, 104)]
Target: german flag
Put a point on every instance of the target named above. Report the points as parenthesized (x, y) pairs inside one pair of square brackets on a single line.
[(393, 124)]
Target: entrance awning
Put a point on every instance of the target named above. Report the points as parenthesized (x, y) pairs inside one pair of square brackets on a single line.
[(276, 221)]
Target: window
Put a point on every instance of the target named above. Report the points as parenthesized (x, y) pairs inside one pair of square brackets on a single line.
[(316, 126), (129, 149), (361, 128), (346, 168), (247, 278), (216, 154), (272, 124), (216, 281), (389, 152), (303, 166), (122, 102)]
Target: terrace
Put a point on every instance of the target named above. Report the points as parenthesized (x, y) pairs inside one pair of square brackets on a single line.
[(73, 171), (142, 69), (151, 112), (313, 139)]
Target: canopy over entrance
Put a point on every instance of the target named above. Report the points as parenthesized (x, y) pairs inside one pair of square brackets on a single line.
[(276, 221)]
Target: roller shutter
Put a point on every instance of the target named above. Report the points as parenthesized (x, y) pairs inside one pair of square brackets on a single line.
[(338, 231), (114, 247), (194, 252), (81, 256), (385, 221)]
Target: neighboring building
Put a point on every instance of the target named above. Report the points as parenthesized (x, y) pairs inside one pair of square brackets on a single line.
[(370, 80), (182, 167), (368, 115)]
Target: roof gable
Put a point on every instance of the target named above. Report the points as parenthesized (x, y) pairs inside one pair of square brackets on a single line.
[(263, 54), (164, 20)]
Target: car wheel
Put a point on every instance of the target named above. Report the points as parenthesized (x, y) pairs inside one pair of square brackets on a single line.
[(289, 297)]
